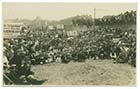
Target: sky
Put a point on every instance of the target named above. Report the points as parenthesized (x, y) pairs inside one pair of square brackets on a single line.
[(57, 11)]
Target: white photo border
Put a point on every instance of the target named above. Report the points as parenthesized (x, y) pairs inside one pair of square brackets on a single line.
[(77, 1)]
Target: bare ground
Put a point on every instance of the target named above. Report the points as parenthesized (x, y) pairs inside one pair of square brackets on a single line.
[(91, 72)]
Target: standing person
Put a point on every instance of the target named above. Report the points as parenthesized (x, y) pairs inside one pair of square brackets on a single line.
[(123, 55), (51, 55), (5, 59)]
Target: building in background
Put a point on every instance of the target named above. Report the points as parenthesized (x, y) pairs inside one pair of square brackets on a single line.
[(12, 30), (60, 26)]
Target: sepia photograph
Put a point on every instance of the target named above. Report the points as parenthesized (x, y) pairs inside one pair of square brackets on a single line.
[(69, 44)]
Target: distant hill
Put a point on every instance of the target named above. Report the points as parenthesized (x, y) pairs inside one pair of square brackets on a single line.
[(66, 21), (120, 19), (69, 19), (25, 21)]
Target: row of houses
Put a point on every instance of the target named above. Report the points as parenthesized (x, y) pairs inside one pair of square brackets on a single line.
[(12, 30), (58, 26)]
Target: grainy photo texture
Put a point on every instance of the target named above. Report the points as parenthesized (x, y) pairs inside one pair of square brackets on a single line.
[(69, 44)]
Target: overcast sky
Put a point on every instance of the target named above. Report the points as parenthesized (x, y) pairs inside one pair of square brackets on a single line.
[(57, 11)]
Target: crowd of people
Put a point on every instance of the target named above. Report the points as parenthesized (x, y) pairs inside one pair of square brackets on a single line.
[(44, 46)]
